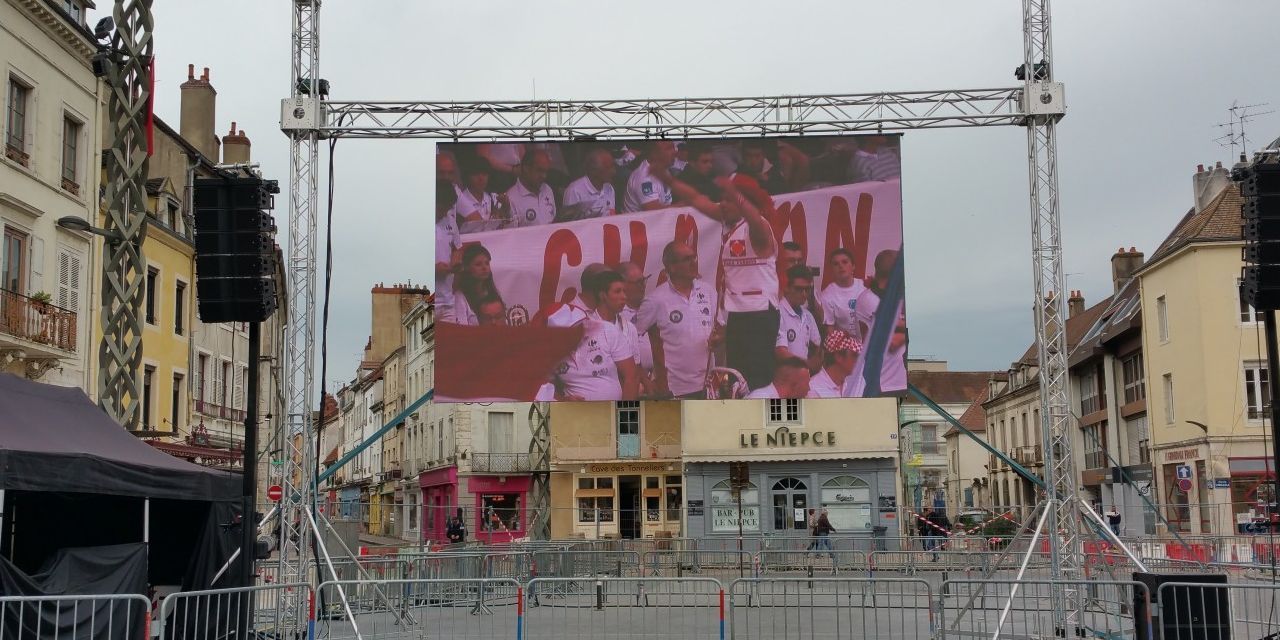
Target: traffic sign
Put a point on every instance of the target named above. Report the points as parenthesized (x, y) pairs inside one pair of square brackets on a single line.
[(274, 493), (1184, 484), (1184, 472)]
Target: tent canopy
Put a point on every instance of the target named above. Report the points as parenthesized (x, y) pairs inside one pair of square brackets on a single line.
[(55, 439)]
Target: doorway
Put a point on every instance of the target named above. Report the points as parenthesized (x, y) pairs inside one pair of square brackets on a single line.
[(629, 507)]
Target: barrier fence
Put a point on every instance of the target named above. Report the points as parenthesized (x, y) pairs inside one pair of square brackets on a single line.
[(1026, 608), (111, 617)]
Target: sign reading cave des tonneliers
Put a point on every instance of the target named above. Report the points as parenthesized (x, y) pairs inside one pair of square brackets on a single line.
[(785, 437)]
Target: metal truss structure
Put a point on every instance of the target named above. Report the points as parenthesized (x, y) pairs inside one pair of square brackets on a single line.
[(128, 68), (1037, 104)]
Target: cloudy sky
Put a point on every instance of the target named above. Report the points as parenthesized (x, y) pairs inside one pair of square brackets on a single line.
[(1148, 81)]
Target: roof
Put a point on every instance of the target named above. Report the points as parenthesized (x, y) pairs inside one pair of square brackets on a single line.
[(1124, 313), (1077, 326), (1219, 221), (54, 439), (950, 387), (975, 417)]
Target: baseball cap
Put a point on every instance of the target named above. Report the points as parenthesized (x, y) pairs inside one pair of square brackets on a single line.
[(838, 340)]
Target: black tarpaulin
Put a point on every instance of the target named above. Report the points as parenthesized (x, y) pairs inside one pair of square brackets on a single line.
[(55, 439), (77, 571)]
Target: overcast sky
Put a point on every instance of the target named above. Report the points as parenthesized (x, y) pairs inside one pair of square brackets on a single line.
[(1147, 81)]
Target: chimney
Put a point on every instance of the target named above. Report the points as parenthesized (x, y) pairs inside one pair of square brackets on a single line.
[(1075, 304), (198, 109), (1207, 184), (235, 146), (1123, 265)]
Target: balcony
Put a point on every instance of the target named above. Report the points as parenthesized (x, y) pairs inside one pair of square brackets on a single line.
[(1028, 455), (218, 411), (501, 463), (40, 331)]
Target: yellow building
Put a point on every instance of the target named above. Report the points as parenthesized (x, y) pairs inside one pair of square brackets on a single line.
[(800, 454), (1206, 373), (615, 469)]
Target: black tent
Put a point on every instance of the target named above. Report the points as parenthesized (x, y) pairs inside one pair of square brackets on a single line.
[(74, 479)]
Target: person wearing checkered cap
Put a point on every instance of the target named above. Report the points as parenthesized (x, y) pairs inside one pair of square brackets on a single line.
[(839, 356)]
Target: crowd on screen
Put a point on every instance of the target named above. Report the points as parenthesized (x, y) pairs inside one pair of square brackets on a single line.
[(762, 331)]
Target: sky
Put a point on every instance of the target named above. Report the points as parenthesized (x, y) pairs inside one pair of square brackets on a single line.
[(1148, 82)]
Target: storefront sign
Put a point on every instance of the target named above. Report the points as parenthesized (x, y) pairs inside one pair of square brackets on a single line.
[(628, 467), (888, 504), (1222, 483), (726, 518), (1181, 454), (785, 437), (695, 507)]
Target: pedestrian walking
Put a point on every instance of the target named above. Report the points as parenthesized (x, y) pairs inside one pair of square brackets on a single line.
[(939, 531), (456, 531), (924, 530), (813, 529), (1113, 520), (822, 531)]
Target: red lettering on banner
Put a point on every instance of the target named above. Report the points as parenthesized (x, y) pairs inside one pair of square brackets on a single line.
[(791, 215), (613, 244), (844, 231), (563, 249)]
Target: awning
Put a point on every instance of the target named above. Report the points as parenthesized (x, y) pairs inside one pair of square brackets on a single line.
[(188, 451), (793, 457)]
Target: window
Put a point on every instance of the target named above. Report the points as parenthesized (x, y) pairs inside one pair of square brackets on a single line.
[(1135, 383), (179, 306), (929, 438), (675, 498), (70, 155), (847, 500), (1168, 398), (502, 432), (224, 385), (1177, 507), (968, 497), (202, 372), (784, 411), (1095, 446), (1162, 318), (790, 498), (175, 418), (725, 513), (13, 277), (1247, 313), (148, 374), (501, 512), (627, 415), (1257, 391), (152, 275), (412, 520), (237, 389), (1092, 397), (599, 502), (15, 139)]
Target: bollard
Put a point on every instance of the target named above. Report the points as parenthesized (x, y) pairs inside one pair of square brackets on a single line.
[(599, 595)]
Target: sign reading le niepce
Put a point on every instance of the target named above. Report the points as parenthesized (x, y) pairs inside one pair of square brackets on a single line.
[(785, 437)]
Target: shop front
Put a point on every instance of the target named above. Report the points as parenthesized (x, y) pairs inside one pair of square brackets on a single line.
[(439, 501), (838, 456), (624, 500), (1253, 496), (1183, 496), (500, 504)]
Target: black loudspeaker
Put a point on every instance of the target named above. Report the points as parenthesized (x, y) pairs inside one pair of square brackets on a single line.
[(1183, 612), (1260, 229), (235, 249)]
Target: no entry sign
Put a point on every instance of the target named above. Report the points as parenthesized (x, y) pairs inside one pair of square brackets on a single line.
[(274, 493)]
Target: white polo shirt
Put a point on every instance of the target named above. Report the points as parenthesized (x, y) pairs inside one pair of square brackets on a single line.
[(584, 200), (644, 347), (750, 281), (796, 331), (684, 325), (839, 304), (643, 188), (893, 370), (822, 386), (530, 209), (469, 205), (626, 327), (448, 239), (591, 371)]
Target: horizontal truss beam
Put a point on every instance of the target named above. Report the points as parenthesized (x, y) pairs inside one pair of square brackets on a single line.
[(684, 117)]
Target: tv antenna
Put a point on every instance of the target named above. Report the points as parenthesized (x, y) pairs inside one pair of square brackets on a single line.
[(1235, 125)]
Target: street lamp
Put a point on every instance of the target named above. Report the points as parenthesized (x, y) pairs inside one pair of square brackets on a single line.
[(76, 223)]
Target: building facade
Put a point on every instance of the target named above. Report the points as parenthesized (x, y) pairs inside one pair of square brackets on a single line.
[(922, 432), (616, 469), (52, 130), (800, 454), (967, 482)]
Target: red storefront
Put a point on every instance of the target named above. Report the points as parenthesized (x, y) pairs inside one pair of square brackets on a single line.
[(501, 507), (439, 501)]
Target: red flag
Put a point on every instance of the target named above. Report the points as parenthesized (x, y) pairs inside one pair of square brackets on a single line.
[(499, 361)]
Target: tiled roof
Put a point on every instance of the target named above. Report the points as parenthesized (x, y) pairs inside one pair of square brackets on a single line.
[(1219, 220), (1077, 326), (1122, 314), (950, 387), (975, 417), (153, 186)]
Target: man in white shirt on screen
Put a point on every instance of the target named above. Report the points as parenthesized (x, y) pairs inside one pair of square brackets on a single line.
[(797, 330), (531, 201), (840, 357), (602, 367), (893, 368), (646, 192), (679, 316), (448, 244), (477, 206), (790, 381), (840, 298), (591, 196)]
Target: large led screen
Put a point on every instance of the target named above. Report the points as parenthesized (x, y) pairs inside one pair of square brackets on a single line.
[(687, 269)]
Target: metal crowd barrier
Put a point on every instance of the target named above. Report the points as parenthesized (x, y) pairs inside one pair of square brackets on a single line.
[(215, 613), (766, 609), (624, 608), (702, 563), (812, 562), (111, 617), (1194, 611), (578, 564), (454, 609), (1026, 608)]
